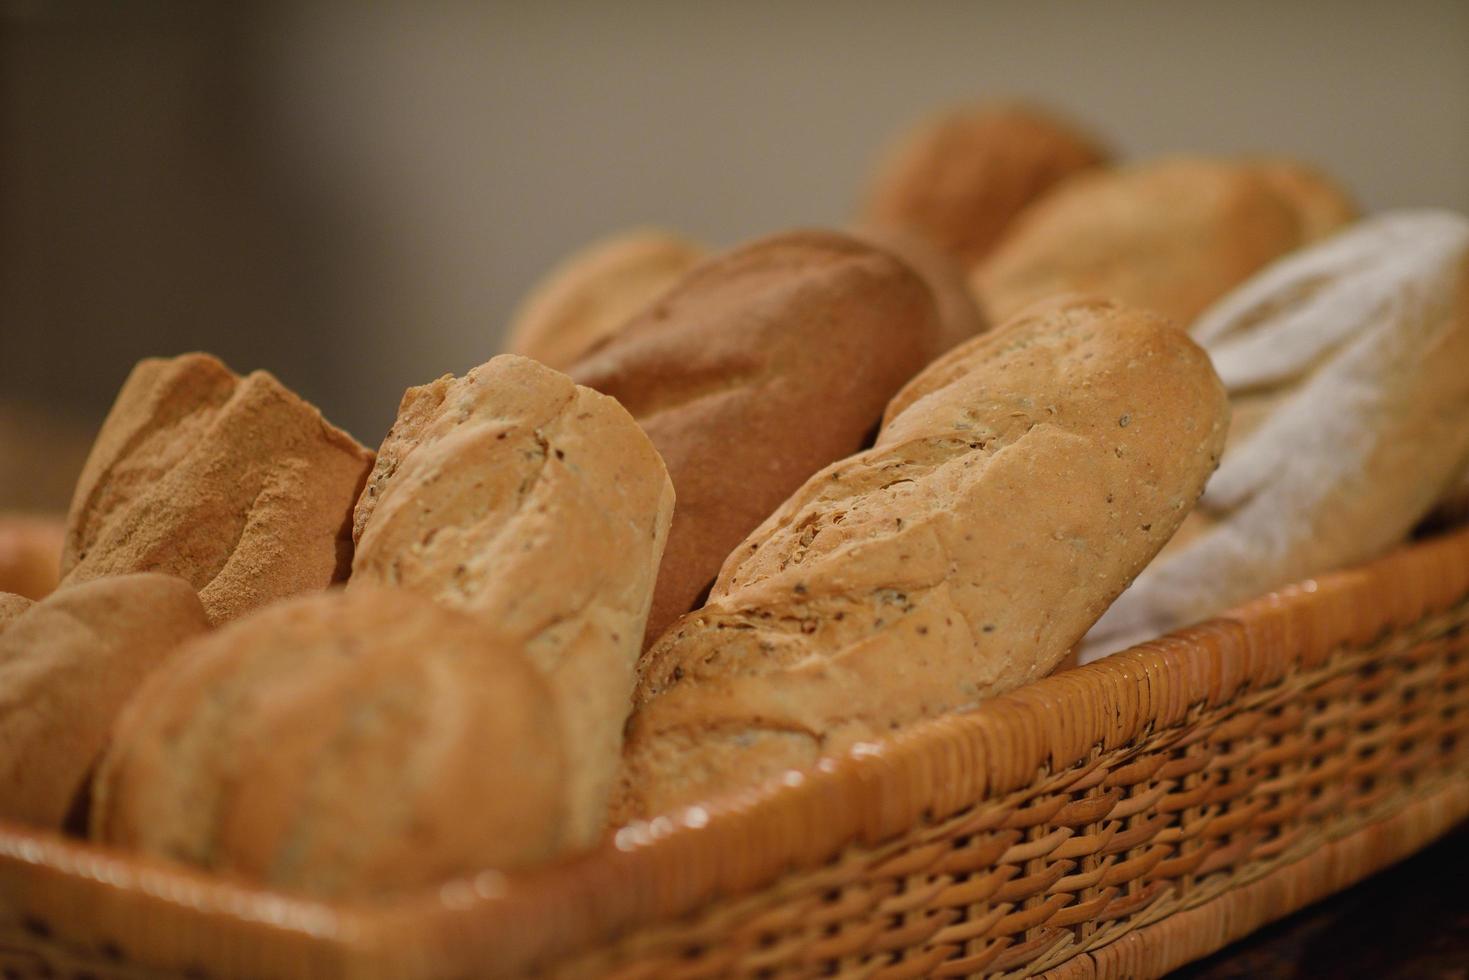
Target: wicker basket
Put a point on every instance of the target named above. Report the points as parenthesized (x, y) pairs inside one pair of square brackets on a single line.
[(1115, 820)]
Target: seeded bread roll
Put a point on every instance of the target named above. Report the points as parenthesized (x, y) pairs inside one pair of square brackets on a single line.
[(233, 484), (1029, 475), (760, 367), (1348, 364), (30, 554), (11, 606), (341, 745), (959, 316), (1171, 236), (590, 295), (68, 664), (960, 178), (541, 508)]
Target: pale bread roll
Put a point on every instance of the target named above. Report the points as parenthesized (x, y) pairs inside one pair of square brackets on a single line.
[(1350, 362), (1024, 480), (541, 508), (1171, 236), (341, 745), (591, 294), (233, 484), (68, 664), (959, 178)]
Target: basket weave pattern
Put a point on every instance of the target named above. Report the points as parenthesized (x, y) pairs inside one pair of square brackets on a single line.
[(1113, 820)]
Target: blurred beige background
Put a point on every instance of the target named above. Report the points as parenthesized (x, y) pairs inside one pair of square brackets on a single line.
[(355, 195)]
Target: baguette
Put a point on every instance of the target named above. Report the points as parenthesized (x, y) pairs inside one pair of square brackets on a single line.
[(1018, 486), (1347, 364), (233, 484), (542, 509), (340, 745), (761, 366)]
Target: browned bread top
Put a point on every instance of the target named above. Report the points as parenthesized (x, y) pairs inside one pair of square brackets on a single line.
[(233, 484), (1026, 479), (341, 745), (959, 178), (68, 664), (761, 366)]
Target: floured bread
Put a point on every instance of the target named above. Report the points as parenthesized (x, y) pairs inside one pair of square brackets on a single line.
[(758, 368), (68, 664), (959, 178), (339, 745), (590, 295), (1172, 236), (1017, 487), (233, 484), (11, 606), (1349, 363), (541, 508)]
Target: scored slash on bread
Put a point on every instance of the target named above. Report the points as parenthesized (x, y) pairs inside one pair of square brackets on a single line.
[(759, 367), (1017, 487), (541, 508), (235, 485), (1348, 364)]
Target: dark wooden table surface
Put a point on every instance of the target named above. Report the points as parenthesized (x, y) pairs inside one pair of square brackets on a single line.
[(1410, 922)]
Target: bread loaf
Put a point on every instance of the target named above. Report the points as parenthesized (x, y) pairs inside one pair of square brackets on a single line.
[(959, 316), (339, 745), (11, 606), (596, 290), (1171, 236), (960, 178), (1322, 206), (1350, 364), (68, 664), (30, 554), (760, 367), (233, 484), (1022, 482), (541, 508)]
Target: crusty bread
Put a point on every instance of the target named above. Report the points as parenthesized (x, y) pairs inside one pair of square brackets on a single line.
[(11, 606), (1322, 206), (68, 664), (540, 507), (1171, 236), (1350, 362), (340, 745), (1029, 475), (30, 554), (596, 290), (959, 316), (233, 484), (760, 367), (958, 179)]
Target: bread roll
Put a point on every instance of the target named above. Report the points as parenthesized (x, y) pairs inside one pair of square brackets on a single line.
[(1025, 479), (233, 484), (1351, 361), (341, 745), (68, 664), (596, 290), (30, 554), (959, 178), (760, 367), (1322, 206), (1171, 236), (11, 606), (541, 508), (959, 316)]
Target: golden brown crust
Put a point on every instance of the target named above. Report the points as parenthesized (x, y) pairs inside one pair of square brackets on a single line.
[(541, 508), (1171, 236), (233, 484), (595, 290), (1322, 205), (963, 555), (68, 664), (960, 178), (341, 745), (959, 316), (30, 554), (760, 367)]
